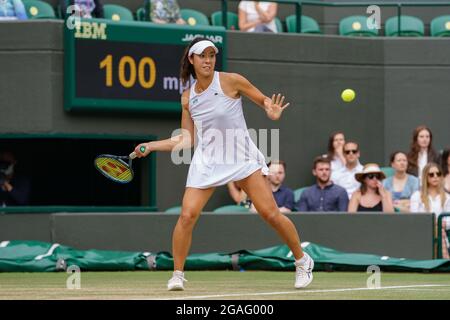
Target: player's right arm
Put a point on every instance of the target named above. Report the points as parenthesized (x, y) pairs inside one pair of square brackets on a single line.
[(184, 140)]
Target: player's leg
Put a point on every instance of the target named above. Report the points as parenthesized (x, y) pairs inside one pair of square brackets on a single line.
[(258, 189), (193, 202)]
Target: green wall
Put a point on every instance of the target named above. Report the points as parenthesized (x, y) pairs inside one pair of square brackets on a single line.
[(401, 236)]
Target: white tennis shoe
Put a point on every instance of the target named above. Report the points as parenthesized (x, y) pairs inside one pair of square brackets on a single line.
[(303, 272), (176, 283)]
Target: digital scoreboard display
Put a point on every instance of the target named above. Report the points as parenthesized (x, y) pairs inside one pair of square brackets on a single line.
[(129, 66)]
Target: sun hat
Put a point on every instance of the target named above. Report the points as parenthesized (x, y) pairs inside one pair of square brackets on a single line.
[(369, 168)]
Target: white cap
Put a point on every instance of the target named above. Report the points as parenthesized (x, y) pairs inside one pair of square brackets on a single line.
[(200, 46)]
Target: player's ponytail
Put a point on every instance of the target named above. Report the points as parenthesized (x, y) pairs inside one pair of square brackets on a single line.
[(187, 69)]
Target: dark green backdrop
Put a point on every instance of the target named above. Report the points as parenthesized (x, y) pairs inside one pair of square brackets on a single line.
[(400, 83)]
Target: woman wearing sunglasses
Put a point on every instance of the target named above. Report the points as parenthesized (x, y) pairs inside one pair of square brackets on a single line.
[(371, 196), (432, 198)]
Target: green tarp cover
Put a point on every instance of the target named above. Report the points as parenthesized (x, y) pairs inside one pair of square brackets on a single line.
[(35, 256)]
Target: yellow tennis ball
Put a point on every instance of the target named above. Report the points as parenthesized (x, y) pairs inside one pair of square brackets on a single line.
[(348, 95)]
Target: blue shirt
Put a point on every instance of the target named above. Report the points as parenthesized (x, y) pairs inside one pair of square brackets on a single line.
[(411, 186), (12, 9), (284, 197), (330, 198)]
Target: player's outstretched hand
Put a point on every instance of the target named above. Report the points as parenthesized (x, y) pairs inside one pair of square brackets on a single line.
[(274, 107)]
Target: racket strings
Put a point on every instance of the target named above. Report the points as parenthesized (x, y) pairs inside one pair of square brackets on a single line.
[(114, 168)]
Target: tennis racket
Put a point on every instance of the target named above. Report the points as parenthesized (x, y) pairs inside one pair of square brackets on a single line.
[(116, 168)]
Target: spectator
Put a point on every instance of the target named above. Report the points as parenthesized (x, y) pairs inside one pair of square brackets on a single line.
[(401, 185), (432, 198), (445, 164), (336, 153), (238, 195), (346, 176), (257, 16), (12, 10), (284, 196), (324, 195), (371, 196), (421, 151), (87, 8), (164, 11), (14, 189)]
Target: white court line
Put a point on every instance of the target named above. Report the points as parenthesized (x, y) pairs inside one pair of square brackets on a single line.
[(303, 291)]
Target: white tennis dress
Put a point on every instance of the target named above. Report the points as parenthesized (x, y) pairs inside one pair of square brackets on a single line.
[(224, 151)]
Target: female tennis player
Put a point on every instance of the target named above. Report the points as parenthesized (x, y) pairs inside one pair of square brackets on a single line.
[(213, 108)]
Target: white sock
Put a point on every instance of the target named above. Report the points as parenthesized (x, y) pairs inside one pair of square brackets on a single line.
[(179, 273), (302, 260)]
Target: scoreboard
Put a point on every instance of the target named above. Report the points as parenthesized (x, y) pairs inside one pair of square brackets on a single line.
[(129, 66)]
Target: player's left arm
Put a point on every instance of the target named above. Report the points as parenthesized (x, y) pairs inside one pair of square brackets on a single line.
[(273, 106)]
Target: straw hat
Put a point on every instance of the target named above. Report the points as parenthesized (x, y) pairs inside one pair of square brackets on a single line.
[(369, 168)]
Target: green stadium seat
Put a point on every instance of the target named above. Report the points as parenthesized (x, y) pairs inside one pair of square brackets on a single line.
[(410, 27), (232, 20), (117, 13), (194, 17), (140, 14), (440, 26), (231, 208), (356, 26), (297, 193), (388, 171), (176, 209), (309, 25), (279, 25), (39, 9)]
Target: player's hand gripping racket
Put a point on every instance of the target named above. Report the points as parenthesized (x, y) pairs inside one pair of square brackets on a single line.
[(116, 168)]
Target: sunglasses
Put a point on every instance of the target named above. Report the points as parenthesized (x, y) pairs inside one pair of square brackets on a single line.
[(354, 151), (434, 174), (373, 176)]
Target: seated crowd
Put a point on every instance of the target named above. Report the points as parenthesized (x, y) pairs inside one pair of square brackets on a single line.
[(253, 16), (420, 182)]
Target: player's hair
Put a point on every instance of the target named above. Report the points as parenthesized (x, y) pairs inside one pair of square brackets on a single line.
[(186, 68)]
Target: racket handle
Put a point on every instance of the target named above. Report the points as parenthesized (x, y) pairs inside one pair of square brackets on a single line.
[(134, 155)]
